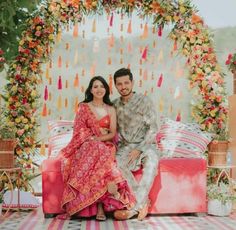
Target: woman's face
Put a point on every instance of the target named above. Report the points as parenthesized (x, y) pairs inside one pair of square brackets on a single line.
[(98, 90)]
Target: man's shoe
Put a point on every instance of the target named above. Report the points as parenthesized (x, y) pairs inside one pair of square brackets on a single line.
[(124, 214)]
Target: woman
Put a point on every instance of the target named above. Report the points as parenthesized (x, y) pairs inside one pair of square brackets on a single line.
[(92, 182)]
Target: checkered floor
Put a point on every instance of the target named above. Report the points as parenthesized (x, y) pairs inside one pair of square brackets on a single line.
[(34, 220)]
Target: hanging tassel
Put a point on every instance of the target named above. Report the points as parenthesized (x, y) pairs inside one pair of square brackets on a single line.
[(50, 81), (177, 92), (44, 112), (145, 75), (47, 73), (141, 25), (159, 31), (59, 103), (159, 82), (109, 61), (171, 109), (121, 61), (59, 83), (92, 70), (59, 62), (67, 84), (111, 41), (76, 80), (94, 26), (83, 72), (140, 83), (154, 44), (49, 112), (161, 104), (76, 30), (95, 45), (128, 67), (175, 45), (178, 117), (66, 102), (121, 51), (46, 93), (140, 72), (111, 20), (121, 39), (111, 84), (152, 90), (121, 27), (49, 96), (76, 104), (129, 29), (76, 57), (129, 47), (50, 64), (58, 39), (67, 64), (160, 56), (42, 149), (145, 32), (82, 89), (140, 61), (153, 30), (83, 34), (144, 55), (67, 28)]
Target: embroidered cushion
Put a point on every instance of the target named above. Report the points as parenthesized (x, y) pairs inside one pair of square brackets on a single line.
[(60, 134), (176, 139)]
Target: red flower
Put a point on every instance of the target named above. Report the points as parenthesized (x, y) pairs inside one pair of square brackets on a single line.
[(227, 62), (230, 56)]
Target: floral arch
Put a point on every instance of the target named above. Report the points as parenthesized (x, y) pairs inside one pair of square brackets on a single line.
[(189, 33)]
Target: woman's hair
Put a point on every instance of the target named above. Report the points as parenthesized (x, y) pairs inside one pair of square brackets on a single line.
[(89, 95)]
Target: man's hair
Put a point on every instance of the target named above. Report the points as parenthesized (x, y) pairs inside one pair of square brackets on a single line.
[(123, 72)]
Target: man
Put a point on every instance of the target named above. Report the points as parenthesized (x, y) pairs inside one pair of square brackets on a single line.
[(136, 118)]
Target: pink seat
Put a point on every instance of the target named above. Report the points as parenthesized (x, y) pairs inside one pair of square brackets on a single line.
[(179, 187)]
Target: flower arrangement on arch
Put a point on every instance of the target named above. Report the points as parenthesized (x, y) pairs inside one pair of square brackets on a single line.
[(231, 62)]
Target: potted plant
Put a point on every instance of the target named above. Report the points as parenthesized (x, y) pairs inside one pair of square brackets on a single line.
[(220, 196), (7, 142)]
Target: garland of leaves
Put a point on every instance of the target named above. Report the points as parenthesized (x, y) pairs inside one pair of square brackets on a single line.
[(189, 32)]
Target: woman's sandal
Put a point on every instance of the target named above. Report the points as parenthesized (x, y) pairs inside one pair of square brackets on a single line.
[(100, 213)]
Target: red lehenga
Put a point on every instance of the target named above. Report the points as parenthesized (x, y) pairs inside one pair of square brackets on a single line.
[(88, 166)]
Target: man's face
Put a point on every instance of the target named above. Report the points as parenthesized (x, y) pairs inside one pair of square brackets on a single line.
[(124, 85)]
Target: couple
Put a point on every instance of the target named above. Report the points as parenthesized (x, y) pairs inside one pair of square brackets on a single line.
[(97, 177)]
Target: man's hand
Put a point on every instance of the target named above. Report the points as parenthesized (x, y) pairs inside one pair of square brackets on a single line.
[(133, 155)]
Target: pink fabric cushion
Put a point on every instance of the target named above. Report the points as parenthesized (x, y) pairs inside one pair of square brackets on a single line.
[(60, 134), (176, 139)]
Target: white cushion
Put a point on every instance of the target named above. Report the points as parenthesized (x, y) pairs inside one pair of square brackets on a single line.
[(176, 139)]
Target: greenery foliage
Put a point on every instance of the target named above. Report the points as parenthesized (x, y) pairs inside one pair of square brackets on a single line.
[(13, 15)]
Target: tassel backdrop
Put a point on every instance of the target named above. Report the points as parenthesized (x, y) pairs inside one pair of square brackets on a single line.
[(100, 46)]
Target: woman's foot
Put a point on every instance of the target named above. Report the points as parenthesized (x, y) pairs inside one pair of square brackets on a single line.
[(100, 213), (112, 188), (64, 216)]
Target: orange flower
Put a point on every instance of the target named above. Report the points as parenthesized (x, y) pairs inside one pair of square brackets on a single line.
[(196, 19)]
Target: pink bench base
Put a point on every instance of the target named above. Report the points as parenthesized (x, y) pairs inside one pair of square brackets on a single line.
[(179, 187)]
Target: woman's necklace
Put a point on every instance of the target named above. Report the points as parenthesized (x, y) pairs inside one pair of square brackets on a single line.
[(100, 109)]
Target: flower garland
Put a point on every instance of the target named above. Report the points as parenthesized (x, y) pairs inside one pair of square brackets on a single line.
[(36, 44), (231, 62)]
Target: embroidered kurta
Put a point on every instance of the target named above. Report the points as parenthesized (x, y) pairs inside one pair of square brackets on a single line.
[(88, 166), (137, 127)]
